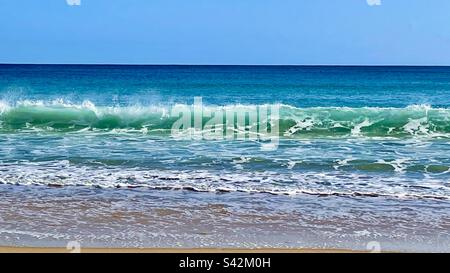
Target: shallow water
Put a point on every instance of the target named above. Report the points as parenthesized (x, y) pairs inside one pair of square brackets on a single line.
[(43, 216)]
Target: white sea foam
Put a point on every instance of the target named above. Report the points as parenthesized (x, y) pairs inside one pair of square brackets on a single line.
[(356, 131), (417, 126), (63, 173)]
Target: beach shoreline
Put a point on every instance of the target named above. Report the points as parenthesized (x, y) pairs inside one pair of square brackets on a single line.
[(13, 249)]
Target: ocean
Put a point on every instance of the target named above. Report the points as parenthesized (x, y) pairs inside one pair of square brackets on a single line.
[(362, 157)]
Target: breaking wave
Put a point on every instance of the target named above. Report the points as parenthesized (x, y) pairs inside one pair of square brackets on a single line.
[(416, 120)]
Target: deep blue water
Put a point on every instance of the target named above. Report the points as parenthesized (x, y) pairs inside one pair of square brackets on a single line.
[(300, 86)]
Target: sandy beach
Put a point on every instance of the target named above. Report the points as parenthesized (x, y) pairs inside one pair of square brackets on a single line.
[(171, 250)]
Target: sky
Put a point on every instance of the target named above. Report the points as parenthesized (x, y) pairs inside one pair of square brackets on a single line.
[(358, 32)]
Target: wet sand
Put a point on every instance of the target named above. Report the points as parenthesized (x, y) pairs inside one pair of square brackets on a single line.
[(171, 250)]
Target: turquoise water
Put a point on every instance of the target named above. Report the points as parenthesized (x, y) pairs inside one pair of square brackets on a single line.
[(367, 137)]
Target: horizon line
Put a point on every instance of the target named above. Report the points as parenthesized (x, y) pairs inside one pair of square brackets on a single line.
[(199, 64)]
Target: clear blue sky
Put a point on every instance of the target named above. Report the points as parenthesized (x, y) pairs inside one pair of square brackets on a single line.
[(225, 32)]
